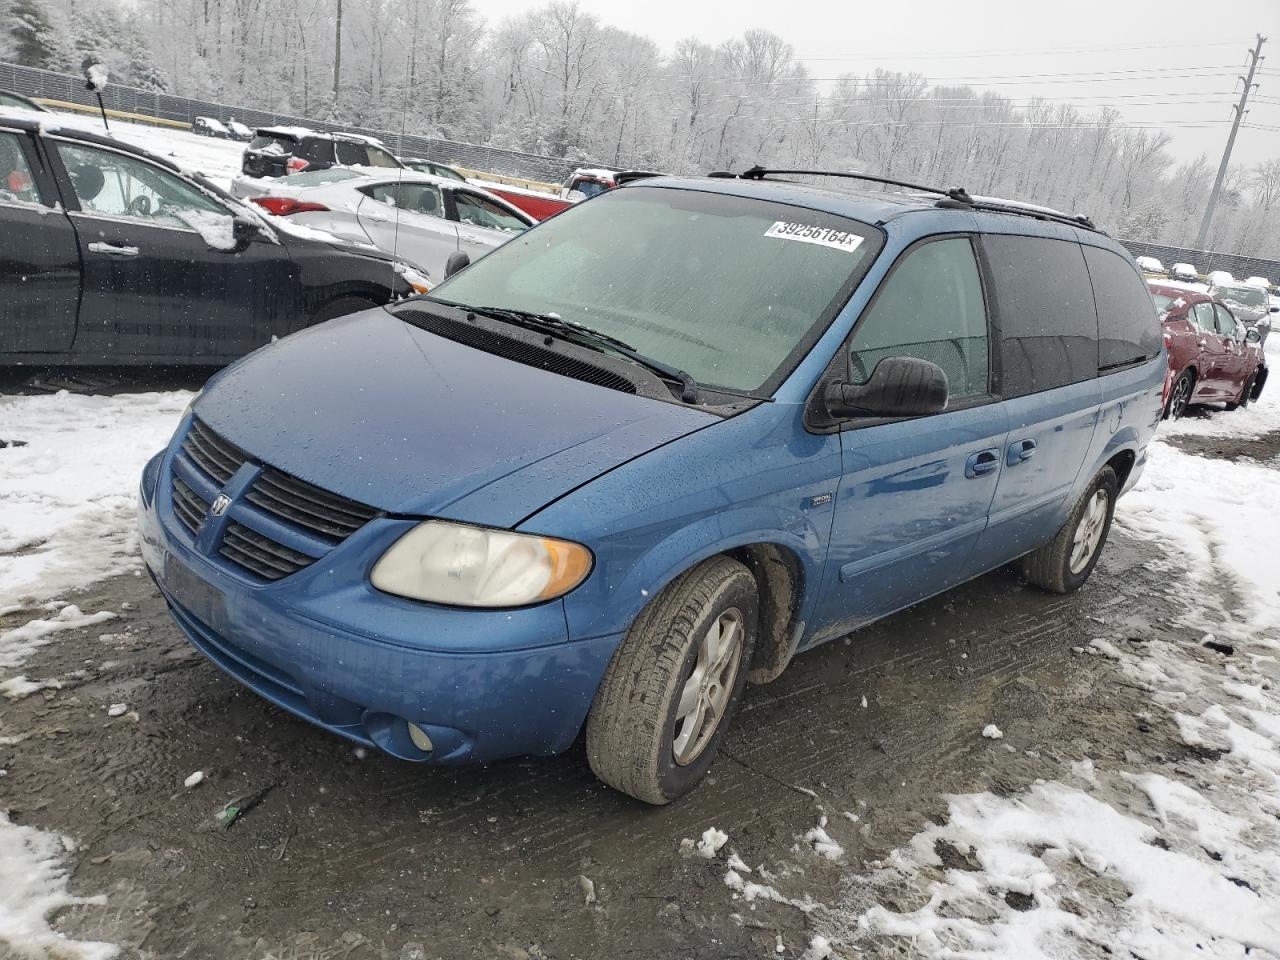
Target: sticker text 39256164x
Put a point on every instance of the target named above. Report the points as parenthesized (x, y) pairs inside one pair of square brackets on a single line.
[(807, 233)]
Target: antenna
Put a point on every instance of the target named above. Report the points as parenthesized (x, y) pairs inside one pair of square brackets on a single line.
[(395, 237)]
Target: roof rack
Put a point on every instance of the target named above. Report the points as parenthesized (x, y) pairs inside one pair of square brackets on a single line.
[(955, 198)]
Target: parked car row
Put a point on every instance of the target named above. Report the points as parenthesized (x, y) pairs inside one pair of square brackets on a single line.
[(1212, 356), (111, 255), (232, 129), (420, 218)]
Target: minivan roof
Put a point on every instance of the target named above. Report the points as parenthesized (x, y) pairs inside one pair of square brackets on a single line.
[(881, 208)]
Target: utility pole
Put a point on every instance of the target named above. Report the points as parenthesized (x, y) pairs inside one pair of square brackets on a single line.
[(1255, 57), (337, 55)]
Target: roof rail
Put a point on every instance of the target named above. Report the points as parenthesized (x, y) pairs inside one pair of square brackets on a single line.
[(955, 198)]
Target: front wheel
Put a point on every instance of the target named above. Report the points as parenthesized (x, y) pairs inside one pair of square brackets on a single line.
[(1246, 394), (674, 683), (1064, 563)]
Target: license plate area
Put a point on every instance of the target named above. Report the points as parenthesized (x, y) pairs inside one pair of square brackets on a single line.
[(195, 595)]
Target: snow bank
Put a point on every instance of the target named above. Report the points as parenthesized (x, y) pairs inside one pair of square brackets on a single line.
[(33, 886), (67, 498)]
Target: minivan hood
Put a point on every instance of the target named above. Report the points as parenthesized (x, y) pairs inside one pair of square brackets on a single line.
[(385, 413)]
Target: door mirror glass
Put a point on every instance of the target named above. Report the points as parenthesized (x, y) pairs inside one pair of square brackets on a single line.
[(457, 260), (897, 387), (1253, 336)]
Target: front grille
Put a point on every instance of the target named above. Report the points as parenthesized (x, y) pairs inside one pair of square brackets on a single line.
[(306, 521), (188, 505), (259, 554), (308, 506), (215, 456)]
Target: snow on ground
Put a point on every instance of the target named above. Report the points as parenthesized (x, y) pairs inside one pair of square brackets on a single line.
[(67, 497), (33, 887), (1179, 862)]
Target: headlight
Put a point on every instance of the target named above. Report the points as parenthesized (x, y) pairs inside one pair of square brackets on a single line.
[(466, 566)]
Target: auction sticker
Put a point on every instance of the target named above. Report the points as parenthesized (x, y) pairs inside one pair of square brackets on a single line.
[(807, 233)]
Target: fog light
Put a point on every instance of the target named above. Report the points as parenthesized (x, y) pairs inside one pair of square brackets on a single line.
[(420, 738)]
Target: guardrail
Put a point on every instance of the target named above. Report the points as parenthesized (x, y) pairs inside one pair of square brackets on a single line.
[(164, 109), (1206, 261)]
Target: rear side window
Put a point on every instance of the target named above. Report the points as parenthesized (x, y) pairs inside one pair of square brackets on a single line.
[(1128, 326), (315, 150), (380, 158), (351, 153), (17, 185), (931, 307), (421, 198), (1044, 303), (272, 144)]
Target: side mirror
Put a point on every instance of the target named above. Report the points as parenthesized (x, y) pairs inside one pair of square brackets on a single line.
[(897, 387), (1252, 335), (1274, 310), (243, 232), (457, 260)]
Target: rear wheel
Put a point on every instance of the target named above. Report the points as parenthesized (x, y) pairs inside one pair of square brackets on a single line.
[(1064, 563), (341, 307), (674, 683), (1180, 396)]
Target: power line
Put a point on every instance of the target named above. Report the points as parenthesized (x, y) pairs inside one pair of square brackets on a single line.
[(1017, 53)]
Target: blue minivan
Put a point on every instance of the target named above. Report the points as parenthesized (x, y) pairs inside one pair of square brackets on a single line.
[(646, 452)]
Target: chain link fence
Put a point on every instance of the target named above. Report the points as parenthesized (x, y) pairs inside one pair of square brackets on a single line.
[(33, 82)]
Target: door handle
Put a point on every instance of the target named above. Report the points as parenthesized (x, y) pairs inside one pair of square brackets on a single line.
[(378, 217), (113, 249), (984, 461), (1020, 451)]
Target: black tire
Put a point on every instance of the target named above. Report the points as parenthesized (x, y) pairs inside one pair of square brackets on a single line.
[(1246, 394), (341, 307), (631, 730), (1180, 396), (1050, 567)]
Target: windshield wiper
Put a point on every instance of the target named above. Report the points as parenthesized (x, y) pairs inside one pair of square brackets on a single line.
[(557, 326)]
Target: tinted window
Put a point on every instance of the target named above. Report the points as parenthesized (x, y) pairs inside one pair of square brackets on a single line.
[(1044, 305), (16, 181), (352, 154), (1128, 326), (930, 307), (315, 150)]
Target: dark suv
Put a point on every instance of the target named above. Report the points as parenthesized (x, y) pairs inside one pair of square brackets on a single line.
[(279, 151)]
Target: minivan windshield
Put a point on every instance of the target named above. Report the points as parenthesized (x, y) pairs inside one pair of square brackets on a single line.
[(730, 289)]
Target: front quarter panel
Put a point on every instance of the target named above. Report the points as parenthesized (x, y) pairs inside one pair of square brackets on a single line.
[(757, 478)]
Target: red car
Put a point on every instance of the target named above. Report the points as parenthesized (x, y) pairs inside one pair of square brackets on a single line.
[(1212, 359)]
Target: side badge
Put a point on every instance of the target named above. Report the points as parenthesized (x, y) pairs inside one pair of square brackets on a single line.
[(821, 500)]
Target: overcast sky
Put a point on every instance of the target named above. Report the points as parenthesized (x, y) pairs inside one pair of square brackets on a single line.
[(1171, 64)]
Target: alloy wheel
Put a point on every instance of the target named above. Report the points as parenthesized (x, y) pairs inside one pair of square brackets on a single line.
[(1089, 532), (707, 691)]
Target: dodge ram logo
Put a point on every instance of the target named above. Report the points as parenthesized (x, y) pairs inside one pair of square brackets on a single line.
[(219, 505)]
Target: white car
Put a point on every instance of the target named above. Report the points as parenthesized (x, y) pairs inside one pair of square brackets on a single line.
[(1218, 278), (1149, 265), (420, 218), (1184, 271)]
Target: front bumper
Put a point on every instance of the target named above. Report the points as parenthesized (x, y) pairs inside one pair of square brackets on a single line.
[(327, 647)]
